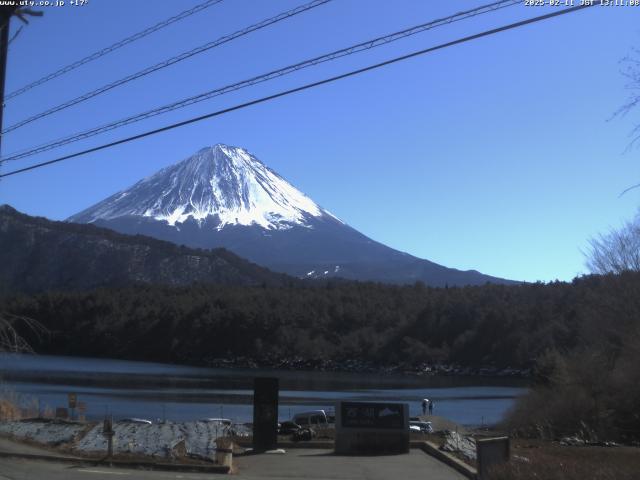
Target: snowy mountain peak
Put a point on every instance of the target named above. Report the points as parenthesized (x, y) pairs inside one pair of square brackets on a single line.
[(221, 182)]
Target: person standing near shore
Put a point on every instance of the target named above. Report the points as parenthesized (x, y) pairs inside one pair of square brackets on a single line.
[(425, 402), (431, 407)]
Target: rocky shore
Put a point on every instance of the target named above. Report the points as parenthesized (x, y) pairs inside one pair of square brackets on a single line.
[(361, 366)]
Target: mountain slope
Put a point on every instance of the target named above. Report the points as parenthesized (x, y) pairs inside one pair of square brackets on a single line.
[(38, 254), (225, 197)]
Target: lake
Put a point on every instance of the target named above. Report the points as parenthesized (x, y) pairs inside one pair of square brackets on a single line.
[(173, 392)]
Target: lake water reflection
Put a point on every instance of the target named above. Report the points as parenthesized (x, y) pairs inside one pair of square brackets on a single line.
[(156, 391)]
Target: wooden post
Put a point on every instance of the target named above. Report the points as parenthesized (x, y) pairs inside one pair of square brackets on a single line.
[(107, 431)]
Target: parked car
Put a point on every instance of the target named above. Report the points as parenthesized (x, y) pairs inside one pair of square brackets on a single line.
[(288, 427), (419, 426), (223, 421), (304, 434), (314, 417), (141, 421)]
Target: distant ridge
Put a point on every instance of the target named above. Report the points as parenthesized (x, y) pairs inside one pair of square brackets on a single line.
[(39, 254)]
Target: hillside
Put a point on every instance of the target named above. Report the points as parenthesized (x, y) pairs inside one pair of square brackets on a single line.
[(38, 254)]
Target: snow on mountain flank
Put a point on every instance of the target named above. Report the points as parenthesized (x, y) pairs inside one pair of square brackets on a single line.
[(220, 181)]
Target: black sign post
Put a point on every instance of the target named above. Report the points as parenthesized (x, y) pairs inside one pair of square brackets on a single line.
[(265, 414)]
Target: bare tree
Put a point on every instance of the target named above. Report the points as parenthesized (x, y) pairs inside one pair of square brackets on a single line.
[(631, 71), (617, 251), (10, 339)]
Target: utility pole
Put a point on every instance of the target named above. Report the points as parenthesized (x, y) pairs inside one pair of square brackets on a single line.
[(5, 21), (6, 12)]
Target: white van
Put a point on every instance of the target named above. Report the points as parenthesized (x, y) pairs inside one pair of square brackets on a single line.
[(223, 421), (314, 417)]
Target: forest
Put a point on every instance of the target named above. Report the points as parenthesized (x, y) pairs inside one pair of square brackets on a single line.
[(488, 325)]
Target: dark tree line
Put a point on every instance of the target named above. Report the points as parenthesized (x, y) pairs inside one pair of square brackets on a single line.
[(381, 324)]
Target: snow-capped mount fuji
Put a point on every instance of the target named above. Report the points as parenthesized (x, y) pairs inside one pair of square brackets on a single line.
[(225, 197), (221, 182)]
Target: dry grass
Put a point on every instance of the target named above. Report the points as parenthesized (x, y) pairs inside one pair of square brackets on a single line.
[(16, 406), (8, 410), (9, 404), (541, 460)]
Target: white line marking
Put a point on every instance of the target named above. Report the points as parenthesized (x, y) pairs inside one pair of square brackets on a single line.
[(85, 470)]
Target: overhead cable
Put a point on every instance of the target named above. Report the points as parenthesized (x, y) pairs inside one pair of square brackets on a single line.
[(369, 44), (168, 62), (104, 51), (307, 86)]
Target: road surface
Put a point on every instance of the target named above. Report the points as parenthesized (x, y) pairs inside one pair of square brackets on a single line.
[(308, 464)]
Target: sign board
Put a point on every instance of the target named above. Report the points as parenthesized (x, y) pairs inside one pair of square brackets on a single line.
[(491, 452), (372, 415), (372, 428), (73, 400), (265, 414)]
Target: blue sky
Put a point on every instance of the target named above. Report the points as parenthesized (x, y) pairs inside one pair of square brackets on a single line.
[(498, 155)]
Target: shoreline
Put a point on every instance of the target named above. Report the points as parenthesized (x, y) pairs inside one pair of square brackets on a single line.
[(298, 364), (356, 366)]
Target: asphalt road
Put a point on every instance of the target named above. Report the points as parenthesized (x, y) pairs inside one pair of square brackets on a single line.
[(324, 465), (299, 463), (296, 463), (9, 446), (20, 469)]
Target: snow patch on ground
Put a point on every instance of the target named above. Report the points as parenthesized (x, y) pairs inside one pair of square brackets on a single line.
[(43, 431), (155, 440)]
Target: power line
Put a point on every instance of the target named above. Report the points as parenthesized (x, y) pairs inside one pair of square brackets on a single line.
[(171, 61), (113, 47), (263, 78), (307, 86), (15, 35)]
